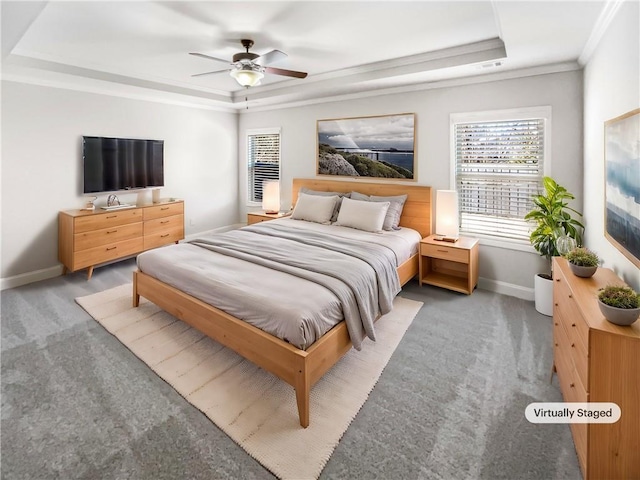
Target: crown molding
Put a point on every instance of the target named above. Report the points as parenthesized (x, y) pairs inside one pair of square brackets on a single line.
[(601, 26)]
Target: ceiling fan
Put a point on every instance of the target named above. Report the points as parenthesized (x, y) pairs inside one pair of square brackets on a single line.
[(249, 68)]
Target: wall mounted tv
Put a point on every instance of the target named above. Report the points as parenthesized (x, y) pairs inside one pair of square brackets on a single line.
[(113, 164)]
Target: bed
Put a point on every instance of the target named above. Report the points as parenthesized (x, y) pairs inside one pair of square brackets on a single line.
[(299, 367)]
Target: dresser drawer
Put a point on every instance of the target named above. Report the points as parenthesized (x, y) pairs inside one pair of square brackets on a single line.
[(83, 241), (104, 253), (163, 224), (164, 210), (164, 237), (570, 312), (446, 253), (107, 220)]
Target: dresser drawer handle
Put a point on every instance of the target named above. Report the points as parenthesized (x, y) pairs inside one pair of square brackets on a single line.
[(571, 385), (556, 306), (443, 251), (112, 216), (556, 344), (573, 324), (165, 235), (111, 248), (573, 345), (112, 231), (164, 208), (570, 296), (556, 324), (557, 279), (164, 221)]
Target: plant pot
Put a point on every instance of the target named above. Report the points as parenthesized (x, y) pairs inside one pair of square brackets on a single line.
[(543, 291), (619, 316), (584, 272)]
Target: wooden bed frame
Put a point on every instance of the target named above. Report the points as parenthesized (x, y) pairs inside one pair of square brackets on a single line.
[(299, 368)]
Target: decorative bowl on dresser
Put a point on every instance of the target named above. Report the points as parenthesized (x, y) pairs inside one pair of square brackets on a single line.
[(88, 238), (597, 361)]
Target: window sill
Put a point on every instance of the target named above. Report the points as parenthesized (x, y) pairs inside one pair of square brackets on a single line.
[(518, 245)]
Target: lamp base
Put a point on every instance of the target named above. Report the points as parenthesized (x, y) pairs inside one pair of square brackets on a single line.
[(446, 239)]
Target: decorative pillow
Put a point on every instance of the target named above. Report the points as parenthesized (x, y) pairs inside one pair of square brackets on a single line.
[(362, 215), (314, 208), (340, 195), (392, 220)]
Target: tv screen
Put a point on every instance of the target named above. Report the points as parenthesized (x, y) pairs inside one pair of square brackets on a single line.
[(112, 164)]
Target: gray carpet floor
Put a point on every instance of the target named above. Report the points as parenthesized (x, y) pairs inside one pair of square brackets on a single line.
[(76, 404)]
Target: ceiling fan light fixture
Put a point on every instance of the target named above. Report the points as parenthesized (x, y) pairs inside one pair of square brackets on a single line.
[(247, 75)]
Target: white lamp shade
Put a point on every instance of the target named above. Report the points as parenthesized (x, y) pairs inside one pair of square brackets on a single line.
[(271, 196), (447, 213)]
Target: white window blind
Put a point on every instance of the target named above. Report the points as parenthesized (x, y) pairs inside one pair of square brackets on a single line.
[(263, 158), (498, 168)]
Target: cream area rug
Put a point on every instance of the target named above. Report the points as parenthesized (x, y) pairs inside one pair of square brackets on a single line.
[(255, 408)]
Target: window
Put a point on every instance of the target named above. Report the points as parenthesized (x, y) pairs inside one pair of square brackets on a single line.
[(263, 160), (499, 160)]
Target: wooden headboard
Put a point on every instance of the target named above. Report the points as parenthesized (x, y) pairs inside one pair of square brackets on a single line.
[(417, 209)]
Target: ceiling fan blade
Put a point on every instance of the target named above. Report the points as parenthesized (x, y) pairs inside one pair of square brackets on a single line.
[(209, 57), (210, 73), (271, 57), (285, 73)]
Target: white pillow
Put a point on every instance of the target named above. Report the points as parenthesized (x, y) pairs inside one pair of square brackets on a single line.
[(368, 216), (314, 208)]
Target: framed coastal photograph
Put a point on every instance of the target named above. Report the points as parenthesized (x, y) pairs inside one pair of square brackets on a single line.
[(622, 183), (381, 147)]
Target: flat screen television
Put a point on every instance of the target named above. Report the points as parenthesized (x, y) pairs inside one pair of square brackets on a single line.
[(115, 164)]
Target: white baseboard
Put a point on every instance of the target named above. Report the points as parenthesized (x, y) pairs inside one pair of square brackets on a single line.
[(30, 277), (525, 293)]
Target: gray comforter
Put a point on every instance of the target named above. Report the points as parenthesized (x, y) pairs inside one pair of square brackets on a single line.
[(366, 272)]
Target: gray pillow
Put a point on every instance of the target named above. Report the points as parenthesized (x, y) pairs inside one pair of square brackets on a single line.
[(392, 219), (340, 195)]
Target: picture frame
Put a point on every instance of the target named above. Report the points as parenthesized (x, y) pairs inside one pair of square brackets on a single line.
[(381, 146), (622, 184)]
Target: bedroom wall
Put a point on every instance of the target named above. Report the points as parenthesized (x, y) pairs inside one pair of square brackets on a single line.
[(505, 270), (42, 165), (612, 88)]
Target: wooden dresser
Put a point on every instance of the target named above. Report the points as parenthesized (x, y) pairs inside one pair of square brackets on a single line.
[(597, 361), (86, 238)]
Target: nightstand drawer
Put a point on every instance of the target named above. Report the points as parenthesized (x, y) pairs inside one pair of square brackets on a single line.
[(444, 252), (253, 218)]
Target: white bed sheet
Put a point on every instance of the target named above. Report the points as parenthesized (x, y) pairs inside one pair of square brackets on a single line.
[(289, 307)]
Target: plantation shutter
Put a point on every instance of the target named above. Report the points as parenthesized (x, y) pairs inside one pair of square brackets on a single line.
[(499, 167), (263, 156)]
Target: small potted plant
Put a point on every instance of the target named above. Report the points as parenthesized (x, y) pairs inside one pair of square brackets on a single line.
[(619, 304), (583, 262)]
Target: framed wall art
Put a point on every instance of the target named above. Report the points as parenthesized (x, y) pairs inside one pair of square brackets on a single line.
[(381, 147), (622, 183)]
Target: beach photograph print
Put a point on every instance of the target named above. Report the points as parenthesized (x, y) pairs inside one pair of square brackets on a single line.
[(380, 147), (622, 188)]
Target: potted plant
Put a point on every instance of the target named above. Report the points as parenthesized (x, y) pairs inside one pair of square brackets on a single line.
[(554, 227), (583, 262), (619, 304)]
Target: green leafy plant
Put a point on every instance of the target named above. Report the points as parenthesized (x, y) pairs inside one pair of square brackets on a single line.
[(551, 215), (619, 297), (583, 257)]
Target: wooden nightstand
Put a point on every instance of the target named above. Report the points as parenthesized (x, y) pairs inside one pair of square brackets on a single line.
[(449, 265), (257, 217)]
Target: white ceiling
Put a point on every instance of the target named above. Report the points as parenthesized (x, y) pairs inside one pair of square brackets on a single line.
[(347, 47)]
